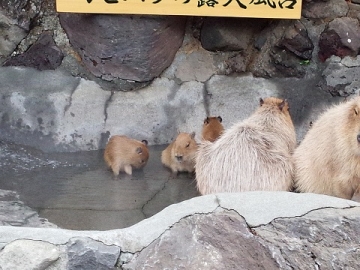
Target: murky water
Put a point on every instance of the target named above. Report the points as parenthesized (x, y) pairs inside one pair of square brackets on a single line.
[(77, 191)]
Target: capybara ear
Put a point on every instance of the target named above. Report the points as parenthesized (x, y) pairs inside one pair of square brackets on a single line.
[(282, 104), (145, 142), (206, 120), (261, 101), (219, 118), (192, 135), (139, 150)]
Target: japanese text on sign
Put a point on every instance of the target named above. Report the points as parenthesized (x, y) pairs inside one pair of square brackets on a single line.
[(290, 9)]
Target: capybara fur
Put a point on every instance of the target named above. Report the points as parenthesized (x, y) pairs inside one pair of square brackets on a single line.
[(123, 154), (212, 128), (179, 156), (327, 161), (254, 154)]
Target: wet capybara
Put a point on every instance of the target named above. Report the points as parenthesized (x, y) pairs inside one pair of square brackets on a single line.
[(212, 128), (123, 154), (179, 156), (327, 161), (254, 154)]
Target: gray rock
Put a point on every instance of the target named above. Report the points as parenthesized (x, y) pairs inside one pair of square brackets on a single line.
[(230, 34), (22, 11), (91, 255), (341, 38), (32, 102), (28, 254), (42, 55), (328, 9), (223, 240), (297, 41), (216, 241), (14, 212), (278, 57), (318, 240), (14, 34), (341, 77), (125, 47), (158, 113), (259, 224)]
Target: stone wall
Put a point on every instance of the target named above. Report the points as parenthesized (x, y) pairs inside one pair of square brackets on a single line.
[(69, 81)]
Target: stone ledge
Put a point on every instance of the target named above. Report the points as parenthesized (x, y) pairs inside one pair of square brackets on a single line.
[(247, 212), (257, 208)]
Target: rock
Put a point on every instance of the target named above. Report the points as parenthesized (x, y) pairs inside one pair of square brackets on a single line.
[(309, 243), (341, 38), (216, 241), (125, 47), (169, 109), (13, 212), (297, 41), (230, 34), (250, 229), (282, 47), (22, 11), (34, 102), (341, 76), (91, 255), (28, 254), (42, 55), (14, 34), (328, 9)]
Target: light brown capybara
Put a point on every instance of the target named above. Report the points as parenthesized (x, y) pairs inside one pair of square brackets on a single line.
[(254, 154), (327, 161), (212, 128), (123, 154), (179, 155)]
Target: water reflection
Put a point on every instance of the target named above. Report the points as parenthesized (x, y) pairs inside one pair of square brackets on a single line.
[(77, 191)]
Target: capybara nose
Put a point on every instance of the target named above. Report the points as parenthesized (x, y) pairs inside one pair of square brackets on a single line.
[(179, 158), (358, 138)]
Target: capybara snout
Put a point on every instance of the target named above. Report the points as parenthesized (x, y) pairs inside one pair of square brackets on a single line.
[(179, 156)]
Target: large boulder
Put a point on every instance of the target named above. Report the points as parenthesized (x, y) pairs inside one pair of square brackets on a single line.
[(125, 47)]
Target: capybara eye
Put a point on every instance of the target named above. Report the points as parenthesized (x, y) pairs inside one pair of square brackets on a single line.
[(358, 138), (187, 145)]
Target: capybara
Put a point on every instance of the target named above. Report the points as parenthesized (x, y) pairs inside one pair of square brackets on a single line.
[(327, 161), (123, 154), (254, 154), (212, 128), (179, 156)]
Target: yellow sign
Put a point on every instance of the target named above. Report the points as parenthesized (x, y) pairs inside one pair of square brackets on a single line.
[(285, 9)]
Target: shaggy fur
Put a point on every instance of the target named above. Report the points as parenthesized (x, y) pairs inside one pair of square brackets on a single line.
[(254, 154), (212, 128), (179, 156), (124, 154), (328, 159)]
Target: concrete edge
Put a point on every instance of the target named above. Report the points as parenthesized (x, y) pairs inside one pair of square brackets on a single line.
[(256, 207)]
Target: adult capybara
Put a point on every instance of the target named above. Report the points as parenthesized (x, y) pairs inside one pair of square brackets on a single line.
[(255, 154), (123, 154), (179, 156), (327, 161), (212, 128)]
